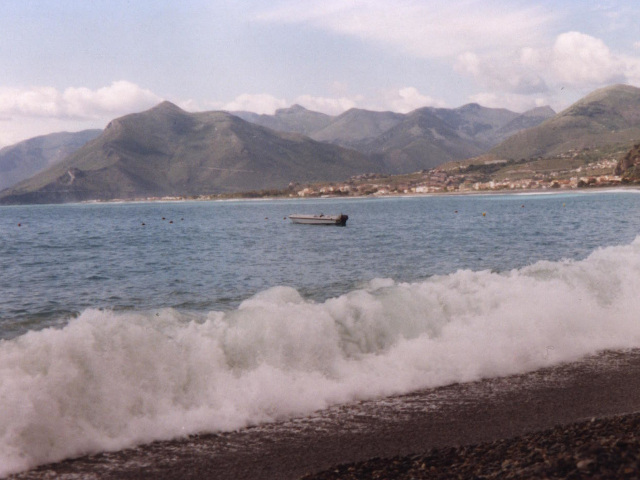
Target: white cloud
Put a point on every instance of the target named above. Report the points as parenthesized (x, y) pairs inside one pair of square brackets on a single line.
[(510, 101), (582, 60), (36, 102), (404, 100), (468, 63), (328, 105), (119, 98), (262, 103), (29, 112), (425, 29), (568, 68), (518, 73)]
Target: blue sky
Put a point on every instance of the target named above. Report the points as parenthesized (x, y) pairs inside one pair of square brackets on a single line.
[(76, 64)]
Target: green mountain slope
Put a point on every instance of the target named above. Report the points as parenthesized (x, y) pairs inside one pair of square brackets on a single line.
[(609, 115)]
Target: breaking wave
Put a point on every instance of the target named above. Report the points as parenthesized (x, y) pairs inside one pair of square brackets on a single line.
[(110, 380)]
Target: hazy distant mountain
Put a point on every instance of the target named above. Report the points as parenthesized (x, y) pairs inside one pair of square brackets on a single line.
[(29, 157), (167, 151), (607, 116), (400, 140), (296, 119), (356, 127), (476, 123), (429, 137), (421, 141), (528, 119), (487, 127)]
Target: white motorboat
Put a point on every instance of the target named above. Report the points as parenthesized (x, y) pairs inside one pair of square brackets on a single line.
[(322, 219)]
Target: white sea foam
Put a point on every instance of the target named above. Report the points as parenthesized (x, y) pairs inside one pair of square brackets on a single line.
[(110, 380)]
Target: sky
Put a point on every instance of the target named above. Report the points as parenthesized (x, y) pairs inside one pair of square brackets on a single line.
[(69, 65)]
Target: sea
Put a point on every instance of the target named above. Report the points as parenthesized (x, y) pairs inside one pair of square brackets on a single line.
[(125, 323)]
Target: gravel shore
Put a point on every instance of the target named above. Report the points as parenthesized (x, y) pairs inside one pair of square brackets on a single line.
[(596, 449), (532, 425)]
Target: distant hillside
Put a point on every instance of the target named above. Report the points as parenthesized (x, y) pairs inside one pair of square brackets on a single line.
[(418, 140), (528, 119), (421, 141), (476, 123), (295, 119), (607, 116), (25, 159), (166, 151), (356, 127), (429, 137)]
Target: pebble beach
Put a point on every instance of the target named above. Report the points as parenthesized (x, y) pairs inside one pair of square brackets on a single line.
[(575, 420)]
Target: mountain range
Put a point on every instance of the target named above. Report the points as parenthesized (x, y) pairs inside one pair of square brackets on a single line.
[(166, 151), (421, 139)]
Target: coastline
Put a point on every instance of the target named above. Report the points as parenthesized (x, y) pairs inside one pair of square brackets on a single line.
[(266, 198), (492, 410), (525, 191), (515, 192)]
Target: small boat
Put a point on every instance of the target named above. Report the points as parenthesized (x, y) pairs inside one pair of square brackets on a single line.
[(322, 219)]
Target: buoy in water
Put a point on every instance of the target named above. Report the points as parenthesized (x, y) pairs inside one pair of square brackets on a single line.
[(484, 214)]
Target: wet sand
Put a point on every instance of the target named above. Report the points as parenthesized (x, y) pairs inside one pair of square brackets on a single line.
[(463, 414)]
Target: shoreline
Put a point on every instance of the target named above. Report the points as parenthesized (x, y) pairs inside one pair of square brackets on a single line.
[(524, 192), (491, 410), (515, 192)]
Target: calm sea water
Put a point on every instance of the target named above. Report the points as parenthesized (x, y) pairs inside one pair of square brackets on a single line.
[(126, 323)]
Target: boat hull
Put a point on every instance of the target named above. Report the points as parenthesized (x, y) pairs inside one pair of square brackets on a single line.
[(339, 220)]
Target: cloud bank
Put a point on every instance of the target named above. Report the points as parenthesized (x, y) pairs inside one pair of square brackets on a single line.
[(516, 54), (26, 112), (402, 100), (82, 103), (533, 76), (425, 29)]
